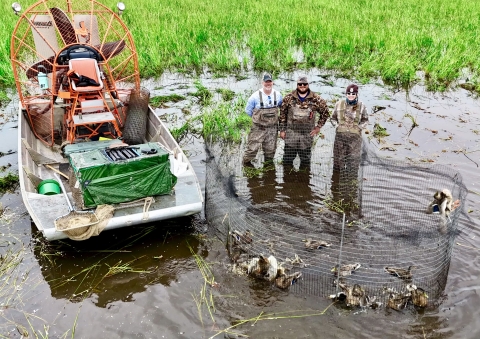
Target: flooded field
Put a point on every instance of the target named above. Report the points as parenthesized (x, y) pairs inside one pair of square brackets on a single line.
[(145, 282)]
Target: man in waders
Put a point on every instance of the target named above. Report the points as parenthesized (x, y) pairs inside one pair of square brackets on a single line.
[(351, 116), (263, 107), (297, 122)]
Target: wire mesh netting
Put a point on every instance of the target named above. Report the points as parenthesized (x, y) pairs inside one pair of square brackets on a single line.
[(346, 220), (136, 121)]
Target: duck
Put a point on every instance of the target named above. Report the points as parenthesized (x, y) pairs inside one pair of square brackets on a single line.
[(354, 295), (346, 269), (258, 266), (405, 274), (296, 261), (397, 302), (315, 244), (251, 266), (272, 270), (418, 295), (284, 281), (240, 239)]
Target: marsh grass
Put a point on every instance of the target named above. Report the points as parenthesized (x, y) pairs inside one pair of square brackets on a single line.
[(205, 296), (9, 182), (179, 133), (4, 99), (203, 95), (379, 131), (87, 279), (161, 100), (226, 121), (251, 172), (393, 39), (18, 284), (294, 314), (226, 94)]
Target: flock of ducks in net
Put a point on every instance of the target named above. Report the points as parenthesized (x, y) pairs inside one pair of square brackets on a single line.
[(270, 269)]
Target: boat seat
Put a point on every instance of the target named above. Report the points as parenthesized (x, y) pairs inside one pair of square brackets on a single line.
[(88, 68)]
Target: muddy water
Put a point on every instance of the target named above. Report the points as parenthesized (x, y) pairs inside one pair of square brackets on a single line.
[(142, 282)]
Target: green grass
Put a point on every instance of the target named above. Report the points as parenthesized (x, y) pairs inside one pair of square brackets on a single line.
[(8, 182), (203, 95), (160, 100), (391, 39), (227, 121), (227, 94)]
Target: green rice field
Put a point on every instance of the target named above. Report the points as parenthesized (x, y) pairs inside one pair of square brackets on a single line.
[(391, 39)]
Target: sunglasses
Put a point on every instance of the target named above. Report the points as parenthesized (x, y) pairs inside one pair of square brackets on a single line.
[(269, 100), (351, 93), (302, 84)]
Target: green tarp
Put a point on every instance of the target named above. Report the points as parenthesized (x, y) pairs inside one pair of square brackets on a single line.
[(104, 181)]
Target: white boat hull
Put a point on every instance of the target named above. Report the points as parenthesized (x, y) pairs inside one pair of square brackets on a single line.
[(186, 198)]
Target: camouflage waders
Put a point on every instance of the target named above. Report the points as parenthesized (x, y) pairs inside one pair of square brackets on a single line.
[(300, 122), (264, 131), (348, 140)]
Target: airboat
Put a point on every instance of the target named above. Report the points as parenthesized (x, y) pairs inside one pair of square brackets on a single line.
[(87, 135)]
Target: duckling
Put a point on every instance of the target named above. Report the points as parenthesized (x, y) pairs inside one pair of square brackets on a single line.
[(315, 244), (272, 268), (346, 269), (419, 297), (397, 302), (239, 238), (286, 280), (405, 274)]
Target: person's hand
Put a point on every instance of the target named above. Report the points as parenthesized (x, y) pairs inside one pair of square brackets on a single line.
[(315, 131), (283, 134)]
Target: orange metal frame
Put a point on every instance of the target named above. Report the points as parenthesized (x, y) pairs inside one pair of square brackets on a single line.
[(23, 51)]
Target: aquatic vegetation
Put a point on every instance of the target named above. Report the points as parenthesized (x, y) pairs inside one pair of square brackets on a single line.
[(9, 182), (188, 127), (4, 99), (227, 94), (203, 94), (379, 131), (204, 297), (160, 100), (226, 121)]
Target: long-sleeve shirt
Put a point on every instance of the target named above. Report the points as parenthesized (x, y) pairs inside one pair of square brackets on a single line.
[(350, 114), (254, 101), (312, 100)]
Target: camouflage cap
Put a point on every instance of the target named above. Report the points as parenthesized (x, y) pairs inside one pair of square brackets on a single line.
[(352, 88), (302, 78), (267, 77)]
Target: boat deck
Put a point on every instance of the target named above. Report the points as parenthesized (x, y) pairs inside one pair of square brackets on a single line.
[(40, 162)]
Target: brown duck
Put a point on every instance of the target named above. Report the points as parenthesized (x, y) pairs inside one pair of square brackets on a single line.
[(346, 269), (239, 238), (397, 302), (419, 296), (284, 281), (315, 244), (405, 274), (355, 295)]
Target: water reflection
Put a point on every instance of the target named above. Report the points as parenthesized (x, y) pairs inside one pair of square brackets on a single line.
[(295, 191), (114, 267)]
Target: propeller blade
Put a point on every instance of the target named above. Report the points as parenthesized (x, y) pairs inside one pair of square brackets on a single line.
[(109, 50), (64, 25)]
